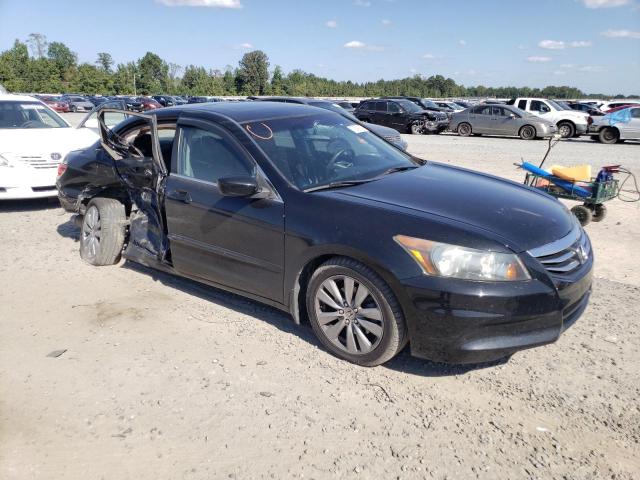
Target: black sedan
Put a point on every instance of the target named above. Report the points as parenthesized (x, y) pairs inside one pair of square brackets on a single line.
[(310, 212)]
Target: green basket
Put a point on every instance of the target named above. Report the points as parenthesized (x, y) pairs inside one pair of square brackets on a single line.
[(601, 191)]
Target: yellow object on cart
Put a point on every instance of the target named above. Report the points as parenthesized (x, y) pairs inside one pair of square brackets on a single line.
[(579, 173)]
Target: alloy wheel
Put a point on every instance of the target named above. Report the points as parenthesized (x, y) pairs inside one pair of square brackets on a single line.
[(564, 130), (349, 315), (91, 232)]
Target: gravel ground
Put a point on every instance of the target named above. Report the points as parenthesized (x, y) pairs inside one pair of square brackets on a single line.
[(165, 378)]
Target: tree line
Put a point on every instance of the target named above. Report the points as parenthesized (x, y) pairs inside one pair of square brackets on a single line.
[(39, 66)]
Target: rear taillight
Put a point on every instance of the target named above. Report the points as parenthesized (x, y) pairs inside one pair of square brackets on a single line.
[(61, 169)]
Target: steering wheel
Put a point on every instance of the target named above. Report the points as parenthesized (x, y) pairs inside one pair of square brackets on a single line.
[(336, 156), (31, 124)]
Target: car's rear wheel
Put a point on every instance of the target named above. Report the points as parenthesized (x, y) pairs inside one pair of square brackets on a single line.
[(354, 313), (464, 129), (527, 132), (102, 232), (608, 135), (73, 108), (566, 129)]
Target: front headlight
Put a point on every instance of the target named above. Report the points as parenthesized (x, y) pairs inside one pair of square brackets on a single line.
[(4, 162), (453, 261)]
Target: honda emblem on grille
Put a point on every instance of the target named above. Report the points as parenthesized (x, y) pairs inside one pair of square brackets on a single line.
[(56, 156)]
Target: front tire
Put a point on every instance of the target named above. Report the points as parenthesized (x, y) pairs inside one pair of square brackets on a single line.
[(527, 133), (583, 214), (102, 232), (74, 109), (566, 129), (415, 128), (464, 129), (354, 313)]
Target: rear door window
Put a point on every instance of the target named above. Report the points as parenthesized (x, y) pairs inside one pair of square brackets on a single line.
[(522, 104)]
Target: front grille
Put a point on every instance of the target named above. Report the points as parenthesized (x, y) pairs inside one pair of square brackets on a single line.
[(43, 189), (565, 255), (39, 162)]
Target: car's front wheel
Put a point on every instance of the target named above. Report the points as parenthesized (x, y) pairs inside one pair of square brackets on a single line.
[(464, 129), (566, 129), (102, 232), (354, 313)]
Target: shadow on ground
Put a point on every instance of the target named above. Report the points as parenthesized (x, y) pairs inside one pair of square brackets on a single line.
[(30, 205), (404, 362)]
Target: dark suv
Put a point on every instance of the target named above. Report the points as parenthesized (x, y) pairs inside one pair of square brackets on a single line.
[(402, 115)]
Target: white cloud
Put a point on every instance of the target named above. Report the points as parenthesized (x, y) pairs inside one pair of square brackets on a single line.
[(358, 45), (355, 44), (580, 44), (552, 45), (559, 72), (592, 68), (245, 45), (429, 56), (605, 3), (462, 43), (522, 47), (386, 22), (361, 3), (536, 59), (201, 3), (567, 65), (620, 34), (331, 24)]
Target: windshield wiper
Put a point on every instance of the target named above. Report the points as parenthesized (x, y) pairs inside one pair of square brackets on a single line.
[(397, 169), (344, 183)]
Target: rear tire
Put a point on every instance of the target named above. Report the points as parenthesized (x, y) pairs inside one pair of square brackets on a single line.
[(74, 109), (599, 212), (608, 135), (336, 328), (527, 132), (583, 214), (464, 129), (102, 232)]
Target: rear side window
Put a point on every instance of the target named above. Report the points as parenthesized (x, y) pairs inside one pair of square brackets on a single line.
[(209, 156), (635, 112), (482, 110), (522, 104), (381, 106)]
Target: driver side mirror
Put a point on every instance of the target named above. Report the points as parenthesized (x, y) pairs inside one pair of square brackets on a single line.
[(240, 186), (512, 116)]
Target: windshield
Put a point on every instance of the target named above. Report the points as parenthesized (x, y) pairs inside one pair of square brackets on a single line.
[(315, 151), (409, 106), (429, 104), (29, 115), (562, 105), (556, 105)]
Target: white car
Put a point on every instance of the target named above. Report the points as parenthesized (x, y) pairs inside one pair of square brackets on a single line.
[(33, 141), (617, 127), (616, 103), (570, 123)]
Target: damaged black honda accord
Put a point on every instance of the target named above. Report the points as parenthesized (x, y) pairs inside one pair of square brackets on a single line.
[(310, 212)]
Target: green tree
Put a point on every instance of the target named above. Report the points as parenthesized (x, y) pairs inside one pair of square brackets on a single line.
[(14, 65), (105, 61), (153, 74), (277, 81), (253, 73), (63, 58)]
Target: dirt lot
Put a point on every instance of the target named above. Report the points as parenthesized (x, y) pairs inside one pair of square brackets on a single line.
[(164, 378)]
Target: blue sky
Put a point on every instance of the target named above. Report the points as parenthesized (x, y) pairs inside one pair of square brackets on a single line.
[(591, 44)]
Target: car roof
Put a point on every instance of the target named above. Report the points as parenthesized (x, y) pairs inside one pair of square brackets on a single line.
[(247, 111), (9, 97)]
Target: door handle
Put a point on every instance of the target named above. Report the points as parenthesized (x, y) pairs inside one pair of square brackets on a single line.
[(180, 196)]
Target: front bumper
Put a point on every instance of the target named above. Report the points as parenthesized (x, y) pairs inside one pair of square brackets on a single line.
[(456, 321), (436, 126), (24, 182)]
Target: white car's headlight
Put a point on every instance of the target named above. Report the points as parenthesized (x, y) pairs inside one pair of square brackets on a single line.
[(453, 261), (4, 162)]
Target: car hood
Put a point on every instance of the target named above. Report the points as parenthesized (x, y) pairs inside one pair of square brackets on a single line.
[(519, 216), (45, 141)]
